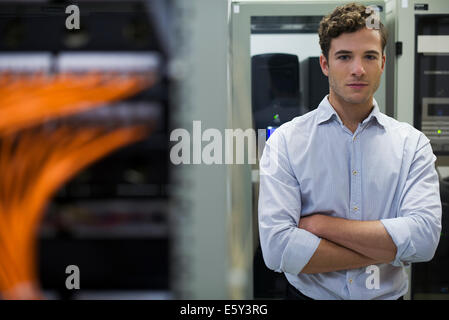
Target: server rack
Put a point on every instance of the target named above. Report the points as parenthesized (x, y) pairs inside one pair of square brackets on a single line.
[(282, 17), (112, 219), (418, 47)]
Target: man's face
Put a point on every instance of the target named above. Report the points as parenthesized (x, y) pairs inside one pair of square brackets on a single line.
[(354, 66)]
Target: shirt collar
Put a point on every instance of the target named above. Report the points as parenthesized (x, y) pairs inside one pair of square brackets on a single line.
[(327, 112)]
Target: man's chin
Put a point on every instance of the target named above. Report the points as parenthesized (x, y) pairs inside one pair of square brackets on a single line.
[(357, 99)]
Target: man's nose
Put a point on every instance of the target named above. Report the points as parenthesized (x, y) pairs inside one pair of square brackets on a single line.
[(358, 69)]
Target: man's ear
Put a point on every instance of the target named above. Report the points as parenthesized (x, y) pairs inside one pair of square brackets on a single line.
[(324, 65), (383, 62)]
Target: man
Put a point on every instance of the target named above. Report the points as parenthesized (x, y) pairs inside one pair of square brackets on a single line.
[(348, 196)]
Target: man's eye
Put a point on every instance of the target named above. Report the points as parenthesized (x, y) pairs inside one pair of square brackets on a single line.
[(343, 57), (371, 57)]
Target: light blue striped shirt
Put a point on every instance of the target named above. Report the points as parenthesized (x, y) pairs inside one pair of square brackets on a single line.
[(384, 171)]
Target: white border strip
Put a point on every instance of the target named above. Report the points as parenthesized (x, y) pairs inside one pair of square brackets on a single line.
[(25, 62), (433, 44), (108, 61)]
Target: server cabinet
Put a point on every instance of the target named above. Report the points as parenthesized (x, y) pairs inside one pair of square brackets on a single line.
[(419, 43), (277, 27)]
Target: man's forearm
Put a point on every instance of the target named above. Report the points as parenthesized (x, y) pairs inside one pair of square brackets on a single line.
[(330, 256), (368, 238)]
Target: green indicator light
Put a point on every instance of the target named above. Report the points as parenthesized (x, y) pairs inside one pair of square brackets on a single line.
[(276, 116), (439, 131)]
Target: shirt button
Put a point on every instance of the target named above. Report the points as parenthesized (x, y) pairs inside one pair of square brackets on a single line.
[(350, 281), (354, 172), (355, 208)]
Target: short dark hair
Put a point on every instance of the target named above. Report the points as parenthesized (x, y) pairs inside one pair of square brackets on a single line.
[(347, 18)]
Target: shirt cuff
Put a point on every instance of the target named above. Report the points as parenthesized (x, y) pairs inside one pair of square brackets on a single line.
[(399, 231), (300, 248)]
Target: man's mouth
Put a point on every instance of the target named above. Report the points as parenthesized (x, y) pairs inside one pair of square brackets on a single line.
[(357, 85)]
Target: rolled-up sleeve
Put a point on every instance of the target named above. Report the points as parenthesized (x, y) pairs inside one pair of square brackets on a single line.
[(285, 247), (417, 227)]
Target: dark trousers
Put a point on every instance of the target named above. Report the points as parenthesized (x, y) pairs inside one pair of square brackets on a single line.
[(294, 294)]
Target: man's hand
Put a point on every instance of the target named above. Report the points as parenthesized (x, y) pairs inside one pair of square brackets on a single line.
[(311, 223)]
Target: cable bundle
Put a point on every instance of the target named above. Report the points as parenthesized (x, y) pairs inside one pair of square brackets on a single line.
[(27, 100), (39, 152)]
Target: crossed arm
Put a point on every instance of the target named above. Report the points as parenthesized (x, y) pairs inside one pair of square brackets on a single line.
[(347, 244)]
